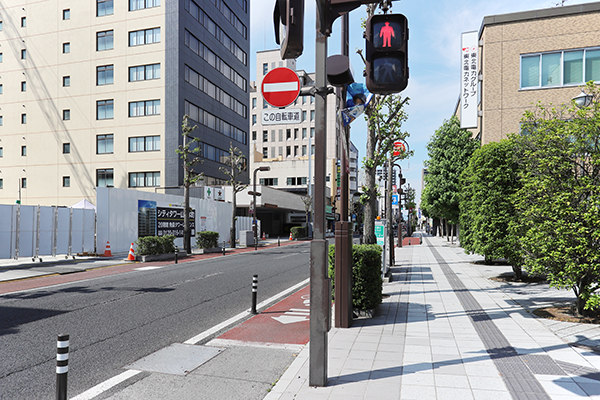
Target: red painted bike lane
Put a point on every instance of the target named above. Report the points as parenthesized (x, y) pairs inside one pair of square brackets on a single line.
[(286, 322)]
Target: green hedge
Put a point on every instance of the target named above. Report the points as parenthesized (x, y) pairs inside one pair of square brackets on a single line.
[(207, 239), (150, 245), (367, 286), (298, 232)]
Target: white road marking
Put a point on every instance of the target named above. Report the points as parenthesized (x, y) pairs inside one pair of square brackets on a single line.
[(147, 268), (106, 385)]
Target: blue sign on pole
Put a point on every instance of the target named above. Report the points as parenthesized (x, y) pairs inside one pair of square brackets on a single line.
[(395, 199)]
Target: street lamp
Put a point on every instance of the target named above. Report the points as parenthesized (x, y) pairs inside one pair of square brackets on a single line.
[(263, 168), (583, 99)]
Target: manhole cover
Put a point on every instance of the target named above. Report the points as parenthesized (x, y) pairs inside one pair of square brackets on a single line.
[(177, 359)]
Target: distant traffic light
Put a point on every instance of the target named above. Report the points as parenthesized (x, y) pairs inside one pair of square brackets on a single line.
[(387, 56), (402, 180), (288, 20)]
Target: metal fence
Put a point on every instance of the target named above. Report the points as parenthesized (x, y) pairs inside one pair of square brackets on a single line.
[(35, 231)]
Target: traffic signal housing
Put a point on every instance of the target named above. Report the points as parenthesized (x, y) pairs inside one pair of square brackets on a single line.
[(387, 53), (288, 20)]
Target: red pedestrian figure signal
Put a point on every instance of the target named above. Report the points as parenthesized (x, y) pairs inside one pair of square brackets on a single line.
[(387, 32)]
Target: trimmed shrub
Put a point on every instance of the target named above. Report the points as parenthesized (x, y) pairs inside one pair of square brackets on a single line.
[(367, 286), (298, 232), (152, 245), (207, 239)]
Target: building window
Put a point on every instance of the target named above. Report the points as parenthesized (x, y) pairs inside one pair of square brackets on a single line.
[(1, 183), (104, 144), (288, 151), (269, 181), (105, 40), (23, 54), (265, 152), (1, 57), (104, 75), (104, 7), (253, 135), (303, 149), (288, 134), (144, 108), (66, 115), (303, 116), (295, 133), (561, 68), (1, 27), (144, 72), (253, 119), (144, 179), (265, 68), (23, 119), (23, 151), (1, 120), (66, 181), (66, 14), (23, 22), (295, 151), (147, 36), (265, 136), (254, 102), (141, 4), (66, 148), (23, 86), (312, 115), (23, 183), (104, 177), (144, 143), (265, 104), (1, 152), (66, 81), (105, 109)]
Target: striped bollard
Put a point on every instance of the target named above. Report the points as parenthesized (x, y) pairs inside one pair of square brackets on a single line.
[(62, 366), (254, 292)]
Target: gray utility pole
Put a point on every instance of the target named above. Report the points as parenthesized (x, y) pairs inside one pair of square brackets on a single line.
[(389, 213), (343, 228), (320, 284)]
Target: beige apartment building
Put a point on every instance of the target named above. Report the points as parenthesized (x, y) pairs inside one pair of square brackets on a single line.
[(541, 55), (92, 93)]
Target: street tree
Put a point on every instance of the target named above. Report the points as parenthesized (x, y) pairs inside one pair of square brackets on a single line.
[(189, 153), (308, 203), (559, 203), (385, 116), (449, 150), (487, 210), (236, 164)]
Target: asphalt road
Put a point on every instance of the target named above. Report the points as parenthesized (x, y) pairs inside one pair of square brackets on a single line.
[(116, 320)]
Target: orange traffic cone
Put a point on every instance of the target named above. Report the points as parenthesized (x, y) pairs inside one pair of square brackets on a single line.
[(264, 237), (131, 255), (291, 238), (107, 252)]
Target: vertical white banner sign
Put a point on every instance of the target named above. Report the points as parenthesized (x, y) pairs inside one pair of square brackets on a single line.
[(469, 65)]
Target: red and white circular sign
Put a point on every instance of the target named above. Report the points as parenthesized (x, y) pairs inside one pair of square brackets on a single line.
[(280, 87), (399, 148)]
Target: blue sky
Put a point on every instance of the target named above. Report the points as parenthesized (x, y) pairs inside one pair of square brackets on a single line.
[(434, 58)]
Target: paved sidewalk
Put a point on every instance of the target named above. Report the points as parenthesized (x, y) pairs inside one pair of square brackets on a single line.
[(448, 332)]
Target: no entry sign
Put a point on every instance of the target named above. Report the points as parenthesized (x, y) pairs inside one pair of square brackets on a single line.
[(280, 87)]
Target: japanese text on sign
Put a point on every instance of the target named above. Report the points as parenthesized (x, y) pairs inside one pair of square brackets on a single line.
[(170, 221), (284, 116), (469, 80)]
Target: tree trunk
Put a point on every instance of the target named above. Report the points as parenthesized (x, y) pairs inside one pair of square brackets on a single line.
[(370, 212), (232, 229)]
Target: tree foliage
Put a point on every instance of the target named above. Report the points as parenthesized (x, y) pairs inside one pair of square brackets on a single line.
[(236, 164), (488, 185), (449, 151), (559, 203)]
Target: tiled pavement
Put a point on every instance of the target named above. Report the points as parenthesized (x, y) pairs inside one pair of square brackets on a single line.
[(448, 332)]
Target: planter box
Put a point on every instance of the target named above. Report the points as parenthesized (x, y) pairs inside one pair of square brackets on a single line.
[(160, 257)]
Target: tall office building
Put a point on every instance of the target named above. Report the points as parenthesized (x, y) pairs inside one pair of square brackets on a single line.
[(92, 93)]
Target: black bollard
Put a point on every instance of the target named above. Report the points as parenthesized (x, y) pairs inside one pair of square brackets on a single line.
[(62, 366), (223, 247), (254, 293), (255, 244), (278, 241), (176, 251)]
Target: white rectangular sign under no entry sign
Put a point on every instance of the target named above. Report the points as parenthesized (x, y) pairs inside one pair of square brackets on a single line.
[(281, 116)]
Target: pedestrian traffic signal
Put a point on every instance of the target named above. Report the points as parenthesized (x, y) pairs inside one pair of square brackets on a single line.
[(387, 56), (288, 20), (402, 180)]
